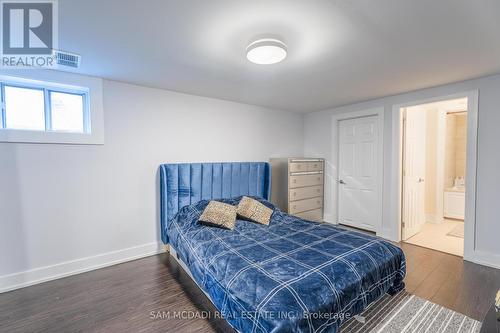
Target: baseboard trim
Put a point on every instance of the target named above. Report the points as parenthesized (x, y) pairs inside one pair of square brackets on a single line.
[(328, 218), (386, 234), (485, 259), (48, 273)]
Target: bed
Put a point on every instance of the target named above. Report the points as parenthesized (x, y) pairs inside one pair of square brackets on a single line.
[(291, 276)]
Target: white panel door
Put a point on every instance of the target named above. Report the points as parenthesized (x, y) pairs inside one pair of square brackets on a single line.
[(413, 216), (358, 172)]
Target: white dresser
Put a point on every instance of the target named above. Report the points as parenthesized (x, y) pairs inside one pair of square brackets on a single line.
[(297, 186)]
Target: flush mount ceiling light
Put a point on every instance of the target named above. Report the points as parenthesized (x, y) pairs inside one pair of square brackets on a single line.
[(266, 51)]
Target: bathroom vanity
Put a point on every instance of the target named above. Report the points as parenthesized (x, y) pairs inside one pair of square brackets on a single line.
[(454, 203)]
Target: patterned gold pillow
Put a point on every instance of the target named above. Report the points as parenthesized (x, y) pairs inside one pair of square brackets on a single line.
[(254, 211), (218, 214)]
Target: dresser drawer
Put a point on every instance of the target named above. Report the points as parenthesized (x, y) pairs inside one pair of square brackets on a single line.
[(315, 166), (306, 180), (298, 167), (305, 205), (305, 192), (305, 166), (312, 215)]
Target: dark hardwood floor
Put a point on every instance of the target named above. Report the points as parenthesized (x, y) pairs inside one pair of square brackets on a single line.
[(450, 281), (147, 295)]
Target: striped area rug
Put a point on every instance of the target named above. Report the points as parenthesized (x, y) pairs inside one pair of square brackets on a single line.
[(408, 313)]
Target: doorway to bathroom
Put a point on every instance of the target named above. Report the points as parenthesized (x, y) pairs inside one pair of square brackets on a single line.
[(434, 155)]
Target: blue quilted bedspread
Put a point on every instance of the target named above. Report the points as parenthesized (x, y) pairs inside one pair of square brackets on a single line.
[(291, 276)]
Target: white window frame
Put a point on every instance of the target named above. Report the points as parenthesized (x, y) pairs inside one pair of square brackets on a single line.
[(47, 89), (51, 81)]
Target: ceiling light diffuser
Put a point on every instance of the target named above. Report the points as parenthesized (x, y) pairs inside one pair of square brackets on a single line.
[(266, 51)]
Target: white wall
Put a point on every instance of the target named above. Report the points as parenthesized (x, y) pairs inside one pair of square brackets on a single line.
[(318, 142), (66, 208)]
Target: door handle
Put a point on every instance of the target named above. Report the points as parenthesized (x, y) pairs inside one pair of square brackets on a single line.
[(341, 182), (420, 180)]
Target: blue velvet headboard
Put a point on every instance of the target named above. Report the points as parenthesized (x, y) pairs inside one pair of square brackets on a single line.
[(187, 183)]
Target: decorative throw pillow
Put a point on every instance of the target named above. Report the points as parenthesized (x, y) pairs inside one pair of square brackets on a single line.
[(219, 214), (254, 211)]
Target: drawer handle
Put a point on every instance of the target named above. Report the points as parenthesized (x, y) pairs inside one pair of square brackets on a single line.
[(294, 194), (295, 181), (318, 202), (319, 178), (318, 190), (294, 206)]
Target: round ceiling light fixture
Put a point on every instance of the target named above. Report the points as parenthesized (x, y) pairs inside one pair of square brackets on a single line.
[(266, 51)]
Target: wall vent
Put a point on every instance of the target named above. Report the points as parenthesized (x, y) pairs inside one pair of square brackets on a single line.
[(68, 59)]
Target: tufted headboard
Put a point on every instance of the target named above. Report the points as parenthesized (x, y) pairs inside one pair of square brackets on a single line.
[(187, 183)]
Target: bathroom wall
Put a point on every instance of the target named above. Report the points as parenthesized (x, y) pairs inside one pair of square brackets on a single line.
[(460, 143), (449, 159), (431, 163), (456, 144)]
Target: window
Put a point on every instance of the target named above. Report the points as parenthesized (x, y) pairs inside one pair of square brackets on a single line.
[(67, 112), (45, 107), (24, 108), (51, 107)]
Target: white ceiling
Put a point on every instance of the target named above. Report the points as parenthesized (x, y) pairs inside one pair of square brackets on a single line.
[(340, 51)]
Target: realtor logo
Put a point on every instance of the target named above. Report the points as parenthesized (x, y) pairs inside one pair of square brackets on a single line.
[(29, 33)]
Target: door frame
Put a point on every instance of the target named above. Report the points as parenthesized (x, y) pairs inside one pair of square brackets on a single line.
[(379, 113), (471, 164)]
